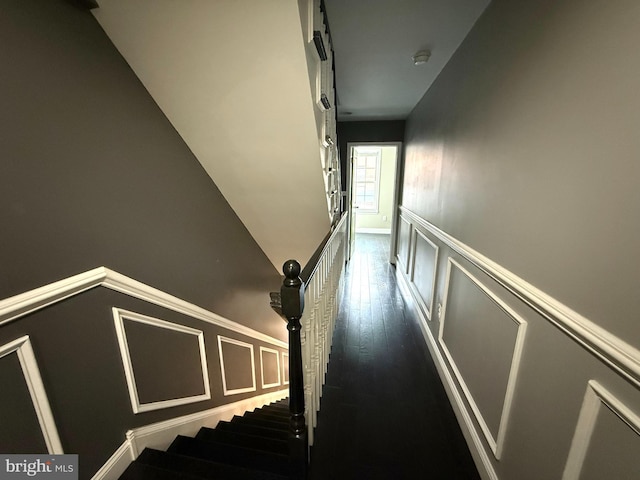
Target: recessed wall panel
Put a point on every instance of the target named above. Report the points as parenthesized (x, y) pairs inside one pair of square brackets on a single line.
[(238, 366), (404, 241), (165, 363), (270, 367), (19, 428), (614, 451), (482, 339), (424, 270), (285, 368), (606, 442)]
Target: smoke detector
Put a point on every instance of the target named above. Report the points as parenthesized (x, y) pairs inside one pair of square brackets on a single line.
[(421, 57)]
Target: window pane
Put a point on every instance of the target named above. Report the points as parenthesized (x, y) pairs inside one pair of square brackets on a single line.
[(370, 175)]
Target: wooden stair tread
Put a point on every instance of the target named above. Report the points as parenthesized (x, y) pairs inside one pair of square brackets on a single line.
[(196, 468), (244, 440), (231, 454)]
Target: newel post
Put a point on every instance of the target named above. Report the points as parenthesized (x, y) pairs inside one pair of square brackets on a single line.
[(292, 298)]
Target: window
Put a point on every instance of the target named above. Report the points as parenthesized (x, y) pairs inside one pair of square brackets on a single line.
[(367, 179)]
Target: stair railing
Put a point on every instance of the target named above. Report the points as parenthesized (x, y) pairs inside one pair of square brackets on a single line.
[(292, 304), (310, 336)]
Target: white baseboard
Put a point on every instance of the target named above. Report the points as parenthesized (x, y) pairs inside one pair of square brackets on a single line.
[(160, 435), (384, 231)]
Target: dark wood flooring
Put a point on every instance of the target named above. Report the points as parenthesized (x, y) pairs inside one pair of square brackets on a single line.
[(384, 412)]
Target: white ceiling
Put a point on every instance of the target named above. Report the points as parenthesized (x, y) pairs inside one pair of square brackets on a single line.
[(373, 42)]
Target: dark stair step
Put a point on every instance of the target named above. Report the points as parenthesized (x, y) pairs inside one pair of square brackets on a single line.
[(195, 468), (243, 440), (141, 471), (259, 422), (230, 454), (248, 429), (277, 412), (267, 416)]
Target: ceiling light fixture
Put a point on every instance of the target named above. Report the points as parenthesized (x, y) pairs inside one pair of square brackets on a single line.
[(421, 57)]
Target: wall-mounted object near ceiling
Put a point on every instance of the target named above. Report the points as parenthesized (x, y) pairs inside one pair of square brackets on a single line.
[(319, 43), (325, 101), (421, 57)]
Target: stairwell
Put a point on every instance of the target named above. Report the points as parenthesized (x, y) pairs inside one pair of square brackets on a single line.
[(252, 446)]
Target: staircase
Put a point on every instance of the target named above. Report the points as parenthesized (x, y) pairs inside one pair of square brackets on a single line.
[(253, 446)]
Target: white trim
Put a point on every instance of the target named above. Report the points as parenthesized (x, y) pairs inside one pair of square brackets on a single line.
[(595, 396), (22, 348), (377, 155), (476, 446), (310, 17), (20, 305), (160, 435), (402, 261), (119, 315), (611, 349), (285, 381), (428, 309), (224, 373), (117, 463), (496, 443), (277, 354), (381, 231), (25, 303)]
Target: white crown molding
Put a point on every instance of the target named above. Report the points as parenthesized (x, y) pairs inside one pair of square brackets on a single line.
[(232, 341), (595, 397), (119, 315), (611, 349), (496, 442), (475, 443), (269, 351), (160, 435), (22, 347), (23, 304)]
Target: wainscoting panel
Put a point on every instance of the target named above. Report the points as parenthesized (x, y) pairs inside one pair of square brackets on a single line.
[(606, 442), (482, 339), (130, 363), (423, 270), (237, 362), (270, 367), (404, 243), (26, 421), (165, 363), (517, 386), (285, 368)]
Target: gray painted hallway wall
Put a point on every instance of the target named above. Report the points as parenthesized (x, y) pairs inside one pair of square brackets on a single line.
[(521, 182)]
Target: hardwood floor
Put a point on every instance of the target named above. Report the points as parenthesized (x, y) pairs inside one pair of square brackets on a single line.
[(384, 412)]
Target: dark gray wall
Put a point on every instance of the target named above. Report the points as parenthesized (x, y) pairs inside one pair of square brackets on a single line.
[(526, 152), (77, 352), (93, 174), (525, 149), (366, 131)]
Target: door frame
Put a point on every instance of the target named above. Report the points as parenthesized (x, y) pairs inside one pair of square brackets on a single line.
[(396, 195)]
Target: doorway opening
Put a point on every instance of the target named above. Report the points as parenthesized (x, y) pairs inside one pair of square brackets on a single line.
[(372, 191)]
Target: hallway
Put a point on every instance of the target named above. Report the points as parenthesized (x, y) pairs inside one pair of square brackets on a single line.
[(384, 412)]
